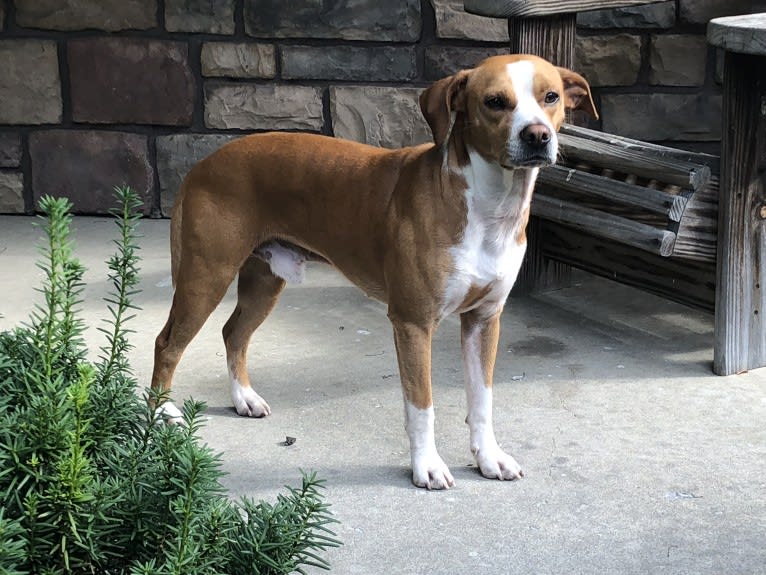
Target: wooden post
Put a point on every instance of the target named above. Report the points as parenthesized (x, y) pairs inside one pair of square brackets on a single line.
[(552, 38), (740, 339)]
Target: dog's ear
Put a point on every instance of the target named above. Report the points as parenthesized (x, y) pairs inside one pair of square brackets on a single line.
[(577, 93), (441, 101)]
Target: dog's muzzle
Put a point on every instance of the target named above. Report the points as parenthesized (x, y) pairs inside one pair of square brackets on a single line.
[(535, 147)]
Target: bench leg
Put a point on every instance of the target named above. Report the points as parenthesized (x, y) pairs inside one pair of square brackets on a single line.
[(740, 337), (539, 273)]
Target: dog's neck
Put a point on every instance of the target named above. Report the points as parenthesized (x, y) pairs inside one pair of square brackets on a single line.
[(496, 193), (496, 201)]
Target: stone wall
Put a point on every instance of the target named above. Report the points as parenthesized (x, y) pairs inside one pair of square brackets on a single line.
[(97, 93)]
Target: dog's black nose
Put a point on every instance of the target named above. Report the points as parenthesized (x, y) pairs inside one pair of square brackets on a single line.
[(536, 135)]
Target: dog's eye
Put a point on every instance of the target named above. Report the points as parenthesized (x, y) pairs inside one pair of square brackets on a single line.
[(551, 98), (495, 103)]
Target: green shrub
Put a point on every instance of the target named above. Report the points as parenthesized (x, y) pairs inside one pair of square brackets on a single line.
[(91, 480)]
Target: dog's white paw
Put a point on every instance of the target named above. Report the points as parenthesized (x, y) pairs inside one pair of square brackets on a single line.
[(169, 413), (494, 463), (247, 402), (430, 471)]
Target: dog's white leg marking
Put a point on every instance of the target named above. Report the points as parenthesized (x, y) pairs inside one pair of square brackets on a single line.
[(169, 413), (428, 468), (245, 400), (491, 459)]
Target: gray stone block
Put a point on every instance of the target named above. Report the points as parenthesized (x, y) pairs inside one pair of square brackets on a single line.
[(356, 63), (11, 193), (609, 60), (441, 61), (238, 60), (264, 107), (677, 60), (660, 117), (387, 117), (452, 21), (176, 154), (130, 81), (389, 21), (26, 97), (10, 150), (702, 11), (211, 16), (662, 15), (110, 15), (85, 166)]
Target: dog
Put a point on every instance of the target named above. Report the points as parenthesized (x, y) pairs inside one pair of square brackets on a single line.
[(429, 230)]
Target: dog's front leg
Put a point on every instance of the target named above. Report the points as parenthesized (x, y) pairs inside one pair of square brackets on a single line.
[(413, 349), (479, 335)]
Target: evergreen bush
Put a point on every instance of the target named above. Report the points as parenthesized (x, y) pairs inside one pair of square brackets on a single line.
[(91, 480)]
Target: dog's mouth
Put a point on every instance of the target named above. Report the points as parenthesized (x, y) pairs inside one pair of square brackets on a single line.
[(534, 161)]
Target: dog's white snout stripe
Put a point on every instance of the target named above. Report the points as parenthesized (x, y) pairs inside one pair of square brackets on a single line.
[(528, 111)]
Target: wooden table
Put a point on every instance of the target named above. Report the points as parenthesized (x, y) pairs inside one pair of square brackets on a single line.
[(740, 330)]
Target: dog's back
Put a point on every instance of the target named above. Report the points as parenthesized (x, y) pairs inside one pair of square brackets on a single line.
[(287, 162)]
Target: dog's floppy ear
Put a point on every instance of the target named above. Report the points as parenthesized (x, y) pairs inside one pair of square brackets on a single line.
[(441, 101), (577, 93)]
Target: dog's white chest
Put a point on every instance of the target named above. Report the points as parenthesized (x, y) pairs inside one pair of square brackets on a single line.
[(487, 260), (484, 265)]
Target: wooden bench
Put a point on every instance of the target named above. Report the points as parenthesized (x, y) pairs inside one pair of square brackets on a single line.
[(648, 202), (686, 226)]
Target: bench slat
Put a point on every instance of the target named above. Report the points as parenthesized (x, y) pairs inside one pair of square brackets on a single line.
[(609, 226), (689, 282), (634, 161), (583, 183), (647, 148)]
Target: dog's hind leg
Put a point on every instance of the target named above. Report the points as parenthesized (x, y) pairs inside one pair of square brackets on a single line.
[(257, 292), (193, 303), (206, 267)]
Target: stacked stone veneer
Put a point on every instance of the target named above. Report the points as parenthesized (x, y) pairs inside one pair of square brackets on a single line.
[(97, 93)]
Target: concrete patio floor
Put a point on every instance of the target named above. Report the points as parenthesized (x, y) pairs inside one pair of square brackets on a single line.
[(637, 458)]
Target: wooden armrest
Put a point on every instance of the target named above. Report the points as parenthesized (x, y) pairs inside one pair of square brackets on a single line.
[(538, 8), (741, 34)]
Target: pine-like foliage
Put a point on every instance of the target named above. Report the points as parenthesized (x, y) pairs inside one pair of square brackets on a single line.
[(91, 481)]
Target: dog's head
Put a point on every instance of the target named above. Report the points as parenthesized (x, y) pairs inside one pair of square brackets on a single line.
[(508, 108)]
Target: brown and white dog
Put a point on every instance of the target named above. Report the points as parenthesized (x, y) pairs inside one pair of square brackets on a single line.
[(429, 230)]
